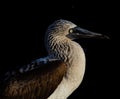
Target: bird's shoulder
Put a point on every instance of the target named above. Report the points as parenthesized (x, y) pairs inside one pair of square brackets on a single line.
[(42, 64)]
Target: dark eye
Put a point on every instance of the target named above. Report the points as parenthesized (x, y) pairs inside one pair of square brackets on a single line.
[(71, 30)]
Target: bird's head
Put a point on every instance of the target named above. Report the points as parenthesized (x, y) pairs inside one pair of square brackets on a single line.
[(61, 32), (68, 29)]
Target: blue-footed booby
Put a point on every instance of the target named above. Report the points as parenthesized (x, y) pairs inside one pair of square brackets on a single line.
[(53, 77)]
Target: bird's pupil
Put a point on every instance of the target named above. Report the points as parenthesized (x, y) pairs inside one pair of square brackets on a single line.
[(71, 31)]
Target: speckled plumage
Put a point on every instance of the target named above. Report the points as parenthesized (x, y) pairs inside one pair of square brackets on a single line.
[(53, 77)]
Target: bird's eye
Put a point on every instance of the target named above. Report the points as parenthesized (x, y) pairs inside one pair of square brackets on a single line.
[(70, 30)]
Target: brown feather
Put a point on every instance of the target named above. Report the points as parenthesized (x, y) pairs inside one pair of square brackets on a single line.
[(36, 84)]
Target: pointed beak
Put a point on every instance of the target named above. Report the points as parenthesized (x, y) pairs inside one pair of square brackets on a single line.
[(83, 33)]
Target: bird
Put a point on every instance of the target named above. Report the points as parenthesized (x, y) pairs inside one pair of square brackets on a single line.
[(55, 76)]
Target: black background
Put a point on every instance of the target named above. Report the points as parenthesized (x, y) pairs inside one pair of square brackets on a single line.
[(23, 25)]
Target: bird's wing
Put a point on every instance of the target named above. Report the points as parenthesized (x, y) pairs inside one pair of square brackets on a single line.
[(36, 80)]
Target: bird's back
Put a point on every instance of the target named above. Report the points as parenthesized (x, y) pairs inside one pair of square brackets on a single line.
[(36, 84)]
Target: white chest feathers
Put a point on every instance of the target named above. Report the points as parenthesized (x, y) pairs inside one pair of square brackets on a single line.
[(74, 74)]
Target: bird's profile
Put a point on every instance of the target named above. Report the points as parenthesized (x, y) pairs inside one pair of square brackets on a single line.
[(55, 76)]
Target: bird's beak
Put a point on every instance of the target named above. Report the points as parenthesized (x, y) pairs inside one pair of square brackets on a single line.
[(83, 33)]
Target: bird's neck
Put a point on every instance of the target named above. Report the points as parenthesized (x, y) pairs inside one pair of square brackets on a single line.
[(71, 53), (61, 48)]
